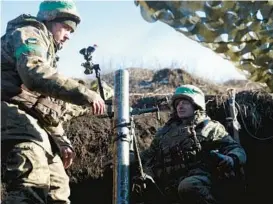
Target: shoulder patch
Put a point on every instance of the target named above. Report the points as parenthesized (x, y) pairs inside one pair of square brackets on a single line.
[(31, 41), (30, 49)]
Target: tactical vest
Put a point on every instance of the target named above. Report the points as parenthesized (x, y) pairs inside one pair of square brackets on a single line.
[(179, 148)]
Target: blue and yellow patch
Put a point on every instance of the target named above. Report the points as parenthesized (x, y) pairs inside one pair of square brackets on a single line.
[(32, 47), (31, 41)]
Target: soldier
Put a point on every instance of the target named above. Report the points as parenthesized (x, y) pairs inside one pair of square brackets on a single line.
[(36, 100), (191, 154)]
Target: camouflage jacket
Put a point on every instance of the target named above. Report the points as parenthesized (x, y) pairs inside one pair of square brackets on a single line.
[(69, 111), (175, 145), (28, 59)]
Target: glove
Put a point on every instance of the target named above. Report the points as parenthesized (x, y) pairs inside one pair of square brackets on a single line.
[(140, 183), (225, 163)]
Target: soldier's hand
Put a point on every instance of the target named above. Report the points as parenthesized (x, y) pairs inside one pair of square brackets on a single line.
[(68, 156), (141, 183), (98, 106), (226, 163), (226, 166)]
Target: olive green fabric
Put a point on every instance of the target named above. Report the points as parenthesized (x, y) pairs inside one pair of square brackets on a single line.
[(41, 178), (28, 59), (36, 68), (52, 10)]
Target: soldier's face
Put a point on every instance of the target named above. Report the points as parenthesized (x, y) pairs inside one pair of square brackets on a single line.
[(184, 108), (61, 32)]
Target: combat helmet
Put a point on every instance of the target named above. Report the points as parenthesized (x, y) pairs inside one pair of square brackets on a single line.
[(63, 11), (192, 93)]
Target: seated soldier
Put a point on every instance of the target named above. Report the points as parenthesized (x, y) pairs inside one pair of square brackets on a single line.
[(192, 154)]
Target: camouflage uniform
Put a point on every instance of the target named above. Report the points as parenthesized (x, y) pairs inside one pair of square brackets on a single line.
[(31, 126), (179, 157)]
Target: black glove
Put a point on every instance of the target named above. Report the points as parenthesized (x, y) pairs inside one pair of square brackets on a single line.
[(225, 163), (140, 183)]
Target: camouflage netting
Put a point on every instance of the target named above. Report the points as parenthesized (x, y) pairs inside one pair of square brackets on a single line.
[(241, 31)]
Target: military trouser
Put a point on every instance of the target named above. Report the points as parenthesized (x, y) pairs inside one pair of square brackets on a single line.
[(196, 189), (32, 175)]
